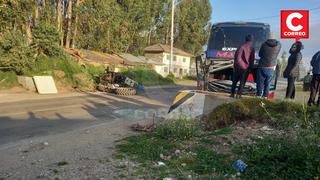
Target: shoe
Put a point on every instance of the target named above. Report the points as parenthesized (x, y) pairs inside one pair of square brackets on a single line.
[(232, 96)]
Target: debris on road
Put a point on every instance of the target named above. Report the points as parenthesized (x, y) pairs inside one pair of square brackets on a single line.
[(143, 128), (161, 163), (112, 81)]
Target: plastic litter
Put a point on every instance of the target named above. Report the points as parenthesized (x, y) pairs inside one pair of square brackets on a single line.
[(240, 165)]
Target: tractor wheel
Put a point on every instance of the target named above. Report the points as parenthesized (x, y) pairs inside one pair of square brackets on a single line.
[(122, 91), (104, 88)]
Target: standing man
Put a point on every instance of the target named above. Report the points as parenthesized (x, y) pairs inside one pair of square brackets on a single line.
[(268, 53), (315, 63), (243, 62)]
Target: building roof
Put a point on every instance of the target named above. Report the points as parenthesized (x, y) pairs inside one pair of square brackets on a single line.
[(131, 59), (160, 48), (94, 56)]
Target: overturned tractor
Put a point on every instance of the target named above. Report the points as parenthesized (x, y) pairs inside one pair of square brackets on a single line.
[(112, 81)]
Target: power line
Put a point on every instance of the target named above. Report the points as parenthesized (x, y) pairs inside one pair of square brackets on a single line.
[(274, 16)]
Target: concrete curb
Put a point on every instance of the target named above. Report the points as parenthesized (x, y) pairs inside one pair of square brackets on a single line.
[(164, 86), (169, 86)]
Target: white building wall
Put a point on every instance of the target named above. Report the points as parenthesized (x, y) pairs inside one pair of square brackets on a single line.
[(160, 70), (180, 65)]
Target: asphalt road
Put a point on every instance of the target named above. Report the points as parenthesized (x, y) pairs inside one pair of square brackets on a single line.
[(44, 116)]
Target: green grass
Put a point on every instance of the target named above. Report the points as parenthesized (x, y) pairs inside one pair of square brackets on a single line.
[(169, 137), (74, 76), (292, 155), (181, 129), (147, 76), (281, 158), (8, 79), (146, 148)]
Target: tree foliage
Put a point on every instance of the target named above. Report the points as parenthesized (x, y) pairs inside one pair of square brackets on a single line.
[(14, 52), (131, 25), (192, 25), (46, 40), (29, 28)]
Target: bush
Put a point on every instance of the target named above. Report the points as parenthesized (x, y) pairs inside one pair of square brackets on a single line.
[(46, 40), (170, 76), (147, 76), (15, 54), (8, 79), (95, 72), (278, 113), (193, 78)]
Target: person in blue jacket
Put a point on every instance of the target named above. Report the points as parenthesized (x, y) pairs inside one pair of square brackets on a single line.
[(315, 83)]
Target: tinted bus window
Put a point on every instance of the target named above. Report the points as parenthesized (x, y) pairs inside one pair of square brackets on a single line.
[(233, 37)]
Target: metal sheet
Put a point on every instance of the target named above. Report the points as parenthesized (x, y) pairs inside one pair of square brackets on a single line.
[(45, 85)]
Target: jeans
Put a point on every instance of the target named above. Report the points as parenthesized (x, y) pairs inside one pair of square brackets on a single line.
[(239, 75), (315, 83), (264, 78), (291, 88)]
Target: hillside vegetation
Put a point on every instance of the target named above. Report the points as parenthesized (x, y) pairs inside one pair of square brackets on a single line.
[(34, 33)]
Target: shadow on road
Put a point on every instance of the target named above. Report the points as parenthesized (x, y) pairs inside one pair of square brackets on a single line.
[(65, 114)]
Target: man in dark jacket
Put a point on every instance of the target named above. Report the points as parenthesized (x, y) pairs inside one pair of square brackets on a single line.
[(315, 63), (243, 62), (268, 53), (292, 70)]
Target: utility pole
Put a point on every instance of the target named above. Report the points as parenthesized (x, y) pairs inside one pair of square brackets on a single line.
[(172, 33)]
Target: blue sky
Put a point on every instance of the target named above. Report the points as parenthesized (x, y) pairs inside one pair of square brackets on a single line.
[(242, 10)]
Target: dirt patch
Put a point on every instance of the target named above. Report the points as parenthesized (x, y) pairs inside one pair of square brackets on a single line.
[(16, 89), (242, 133)]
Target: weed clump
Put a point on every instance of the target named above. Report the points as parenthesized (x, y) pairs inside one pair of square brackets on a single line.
[(146, 148), (181, 129), (280, 114)]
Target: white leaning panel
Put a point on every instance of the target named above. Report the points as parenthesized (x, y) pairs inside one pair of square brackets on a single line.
[(45, 85)]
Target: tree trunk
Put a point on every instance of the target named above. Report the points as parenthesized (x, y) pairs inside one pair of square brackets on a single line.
[(74, 37), (28, 31), (59, 17), (36, 13), (167, 37), (69, 24), (108, 41), (43, 7), (149, 38)]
